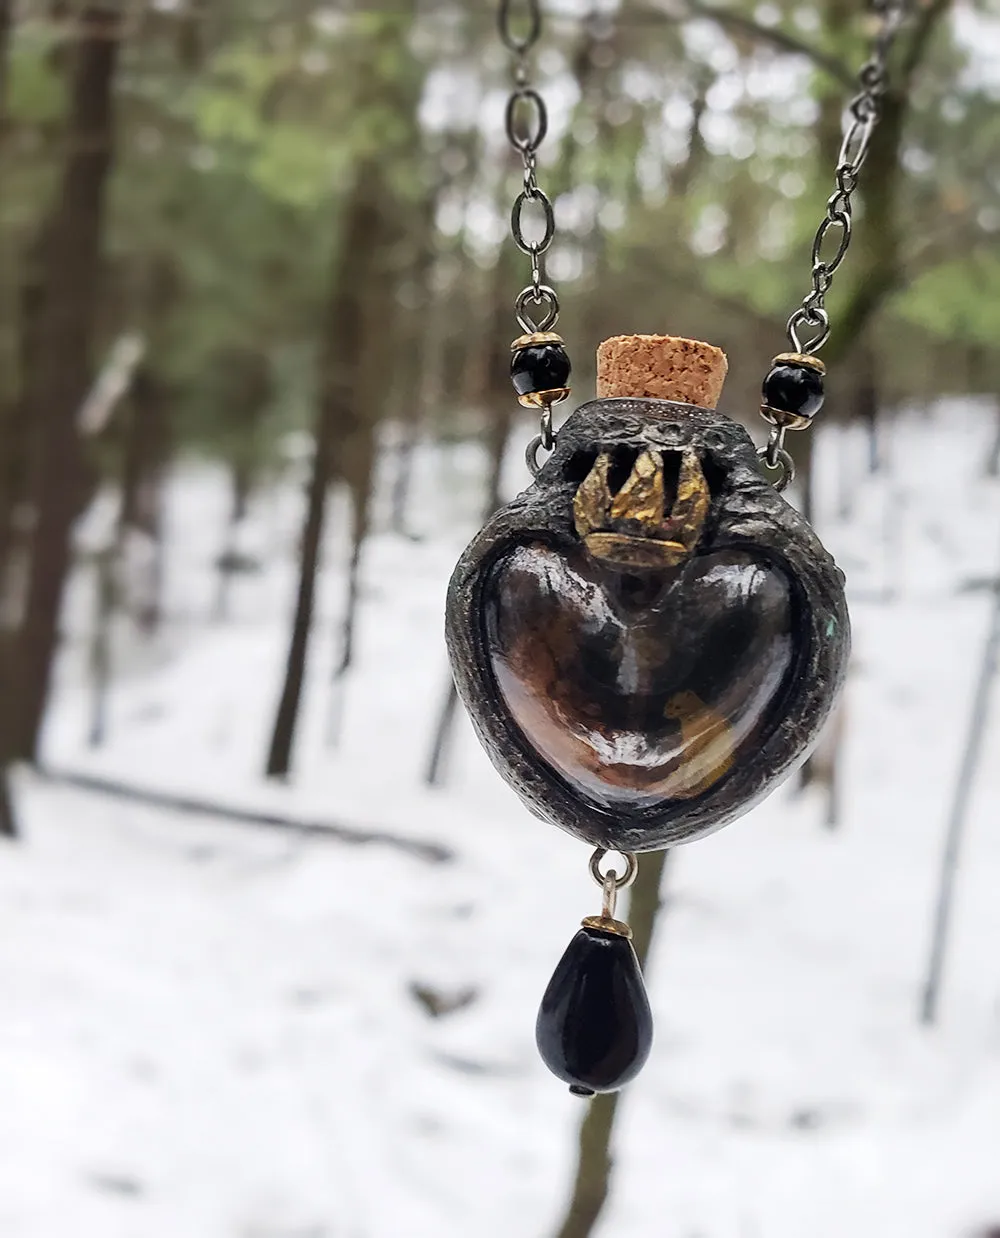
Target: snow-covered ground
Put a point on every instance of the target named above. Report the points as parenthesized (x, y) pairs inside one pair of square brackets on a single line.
[(209, 1029)]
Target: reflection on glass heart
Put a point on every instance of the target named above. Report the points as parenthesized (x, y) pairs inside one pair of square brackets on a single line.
[(638, 688)]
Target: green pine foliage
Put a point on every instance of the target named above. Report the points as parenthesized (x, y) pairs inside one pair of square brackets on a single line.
[(686, 156)]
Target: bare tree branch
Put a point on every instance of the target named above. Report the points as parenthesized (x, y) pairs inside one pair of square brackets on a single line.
[(924, 26), (189, 805), (730, 19)]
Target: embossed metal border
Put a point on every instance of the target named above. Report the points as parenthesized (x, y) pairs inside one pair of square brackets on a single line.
[(746, 511)]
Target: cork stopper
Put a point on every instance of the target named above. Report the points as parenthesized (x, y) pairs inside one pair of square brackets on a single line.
[(661, 367)]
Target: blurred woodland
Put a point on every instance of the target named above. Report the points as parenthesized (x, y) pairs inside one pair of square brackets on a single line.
[(225, 223)]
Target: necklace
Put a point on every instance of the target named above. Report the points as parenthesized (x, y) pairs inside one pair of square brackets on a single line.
[(649, 638)]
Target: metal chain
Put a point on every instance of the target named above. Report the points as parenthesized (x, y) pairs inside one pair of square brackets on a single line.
[(537, 304), (835, 230)]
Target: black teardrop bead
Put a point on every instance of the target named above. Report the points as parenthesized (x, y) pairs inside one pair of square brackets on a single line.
[(540, 367), (594, 1028), (796, 389)]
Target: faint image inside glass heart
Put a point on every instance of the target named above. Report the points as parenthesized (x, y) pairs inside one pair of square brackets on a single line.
[(638, 688)]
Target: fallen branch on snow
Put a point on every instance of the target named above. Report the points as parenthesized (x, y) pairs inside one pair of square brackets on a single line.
[(433, 853)]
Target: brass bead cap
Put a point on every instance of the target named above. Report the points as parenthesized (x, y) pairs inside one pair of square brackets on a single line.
[(604, 924), (544, 399), (536, 337), (786, 420), (800, 358)]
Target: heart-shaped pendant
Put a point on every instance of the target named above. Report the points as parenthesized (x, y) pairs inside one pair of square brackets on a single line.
[(649, 638)]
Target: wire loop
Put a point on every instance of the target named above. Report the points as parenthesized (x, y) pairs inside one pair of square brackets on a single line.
[(782, 459), (543, 294), (809, 316), (621, 882), (531, 456)]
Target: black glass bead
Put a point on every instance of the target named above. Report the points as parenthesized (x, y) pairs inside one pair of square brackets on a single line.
[(539, 367), (791, 388), (594, 1028)]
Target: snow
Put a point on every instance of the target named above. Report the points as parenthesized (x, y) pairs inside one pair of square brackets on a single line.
[(208, 1029)]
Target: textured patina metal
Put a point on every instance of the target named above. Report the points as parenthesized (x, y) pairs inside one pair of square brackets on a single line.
[(745, 522)]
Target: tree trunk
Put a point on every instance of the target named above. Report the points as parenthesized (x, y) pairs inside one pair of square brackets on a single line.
[(993, 463), (8, 480), (687, 173), (105, 562), (867, 396), (59, 376), (144, 469), (494, 357), (979, 720), (280, 753), (353, 336), (419, 382), (6, 15), (8, 821), (239, 491), (594, 1160), (803, 452), (361, 486), (342, 347), (16, 431), (409, 432), (441, 743), (141, 458)]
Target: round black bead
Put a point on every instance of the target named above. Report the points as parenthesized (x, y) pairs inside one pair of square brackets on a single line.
[(539, 367), (595, 1028), (791, 388)]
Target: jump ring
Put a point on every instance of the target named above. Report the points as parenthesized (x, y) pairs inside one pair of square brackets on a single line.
[(531, 456), (622, 882), (784, 462)]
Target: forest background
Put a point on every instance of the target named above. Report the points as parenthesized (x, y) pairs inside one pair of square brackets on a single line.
[(272, 238), (292, 217)]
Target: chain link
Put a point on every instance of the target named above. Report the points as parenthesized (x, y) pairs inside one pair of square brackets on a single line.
[(834, 232), (526, 121)]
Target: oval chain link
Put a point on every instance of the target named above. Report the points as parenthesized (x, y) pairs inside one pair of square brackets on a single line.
[(809, 326), (526, 121)]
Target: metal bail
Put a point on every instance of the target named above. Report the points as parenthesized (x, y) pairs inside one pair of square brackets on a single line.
[(610, 884)]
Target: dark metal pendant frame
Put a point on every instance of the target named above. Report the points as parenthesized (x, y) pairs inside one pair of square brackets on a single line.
[(746, 513)]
